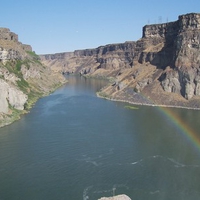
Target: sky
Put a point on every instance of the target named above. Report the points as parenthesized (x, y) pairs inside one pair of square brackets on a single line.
[(54, 26)]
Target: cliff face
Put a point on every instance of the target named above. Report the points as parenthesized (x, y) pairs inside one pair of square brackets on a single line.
[(164, 63), (179, 50), (186, 60), (23, 78), (11, 48), (104, 59)]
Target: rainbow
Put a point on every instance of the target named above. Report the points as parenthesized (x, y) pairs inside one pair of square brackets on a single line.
[(167, 111), (187, 131), (184, 128)]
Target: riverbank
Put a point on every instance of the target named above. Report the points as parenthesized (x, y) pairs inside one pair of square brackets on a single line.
[(15, 115), (111, 82), (72, 135), (144, 104)]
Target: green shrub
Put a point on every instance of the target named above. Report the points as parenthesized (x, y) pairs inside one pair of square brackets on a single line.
[(136, 90), (18, 66), (33, 54)]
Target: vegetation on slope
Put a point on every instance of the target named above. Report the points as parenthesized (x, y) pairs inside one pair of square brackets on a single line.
[(33, 79)]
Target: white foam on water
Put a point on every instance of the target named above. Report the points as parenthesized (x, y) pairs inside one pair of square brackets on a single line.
[(85, 192), (88, 159), (137, 162), (112, 190), (102, 191), (120, 186), (157, 156), (155, 192), (93, 162), (177, 164)]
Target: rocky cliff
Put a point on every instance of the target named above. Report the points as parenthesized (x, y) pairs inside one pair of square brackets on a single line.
[(23, 79), (163, 67), (103, 60)]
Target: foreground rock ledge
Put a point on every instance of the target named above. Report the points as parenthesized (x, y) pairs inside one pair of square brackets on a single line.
[(119, 197)]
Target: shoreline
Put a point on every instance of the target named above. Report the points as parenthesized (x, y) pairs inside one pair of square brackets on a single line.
[(145, 104), (134, 103), (12, 119)]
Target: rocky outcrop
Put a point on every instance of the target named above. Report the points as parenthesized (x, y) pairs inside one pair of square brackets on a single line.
[(11, 96), (186, 60), (158, 44), (182, 80), (188, 41), (118, 197), (11, 48), (6, 34), (23, 79), (169, 52), (8, 54)]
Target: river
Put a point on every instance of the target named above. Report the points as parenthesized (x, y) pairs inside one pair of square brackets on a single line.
[(76, 146)]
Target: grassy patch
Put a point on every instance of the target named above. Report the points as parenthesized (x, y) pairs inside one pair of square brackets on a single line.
[(131, 107), (23, 85), (33, 55), (18, 66), (32, 98), (13, 116), (15, 68), (135, 90), (103, 95), (15, 113)]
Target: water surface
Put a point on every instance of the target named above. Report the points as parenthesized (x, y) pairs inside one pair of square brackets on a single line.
[(73, 145)]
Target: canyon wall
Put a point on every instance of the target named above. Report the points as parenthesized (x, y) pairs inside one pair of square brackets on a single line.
[(109, 58), (23, 79), (169, 52), (11, 48)]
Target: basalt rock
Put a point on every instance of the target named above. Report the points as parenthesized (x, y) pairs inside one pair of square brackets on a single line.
[(109, 57), (11, 48), (23, 79), (186, 59), (169, 52)]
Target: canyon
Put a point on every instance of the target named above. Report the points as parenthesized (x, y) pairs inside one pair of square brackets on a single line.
[(162, 68), (23, 78)]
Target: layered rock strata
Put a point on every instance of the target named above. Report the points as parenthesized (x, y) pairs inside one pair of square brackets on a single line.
[(11, 48), (109, 58), (163, 64), (23, 79)]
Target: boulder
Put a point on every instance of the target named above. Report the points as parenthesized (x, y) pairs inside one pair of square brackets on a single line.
[(10, 95), (118, 197)]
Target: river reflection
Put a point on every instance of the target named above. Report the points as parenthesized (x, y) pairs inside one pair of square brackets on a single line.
[(73, 145)]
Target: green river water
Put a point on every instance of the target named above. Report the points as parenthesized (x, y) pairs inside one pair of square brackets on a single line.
[(76, 146)]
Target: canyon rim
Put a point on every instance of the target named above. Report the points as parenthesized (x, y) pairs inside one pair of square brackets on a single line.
[(162, 68)]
